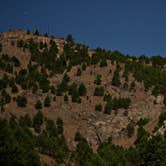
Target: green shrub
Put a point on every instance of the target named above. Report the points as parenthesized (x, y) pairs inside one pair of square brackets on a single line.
[(82, 90), (95, 59), (142, 121), (73, 91), (83, 67), (130, 130), (20, 43), (59, 124), (162, 118), (132, 86), (125, 86), (47, 101), (15, 61), (38, 105), (117, 103), (21, 101), (78, 137), (116, 79), (78, 72), (108, 108), (142, 135), (25, 121), (98, 107), (120, 103), (28, 32), (36, 32), (66, 97), (107, 97), (103, 62), (97, 81), (9, 68), (38, 121), (14, 88), (63, 86), (17, 145), (99, 91), (53, 90), (5, 97), (70, 39), (51, 128)]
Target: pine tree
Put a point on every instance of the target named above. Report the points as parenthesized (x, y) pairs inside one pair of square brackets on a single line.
[(47, 101), (82, 90), (38, 105), (116, 78), (70, 39), (14, 88), (97, 81), (38, 121), (36, 32), (21, 101), (78, 72), (59, 124)]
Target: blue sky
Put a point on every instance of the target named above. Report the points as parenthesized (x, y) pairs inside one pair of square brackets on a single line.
[(131, 26)]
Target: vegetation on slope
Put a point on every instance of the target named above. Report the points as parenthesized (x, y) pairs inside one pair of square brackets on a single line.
[(21, 145), (23, 139)]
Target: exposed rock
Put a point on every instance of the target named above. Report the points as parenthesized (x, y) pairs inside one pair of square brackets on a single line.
[(159, 99), (100, 123)]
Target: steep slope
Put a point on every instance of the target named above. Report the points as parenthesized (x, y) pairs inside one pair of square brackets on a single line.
[(52, 70)]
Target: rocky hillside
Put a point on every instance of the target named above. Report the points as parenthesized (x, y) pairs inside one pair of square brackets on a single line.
[(97, 93)]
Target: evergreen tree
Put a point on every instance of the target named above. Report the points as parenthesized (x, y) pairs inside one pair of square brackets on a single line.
[(47, 101), (142, 121), (103, 62), (130, 130), (97, 81), (36, 32), (162, 118), (73, 91), (75, 95), (21, 101), (107, 97), (99, 91), (132, 86), (38, 121), (28, 32), (70, 40), (38, 105), (59, 124), (83, 66), (25, 121), (78, 72), (66, 98), (82, 90), (116, 78), (5, 97), (108, 107), (14, 88), (98, 107)]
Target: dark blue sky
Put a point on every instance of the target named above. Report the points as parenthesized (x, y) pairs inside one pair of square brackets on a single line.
[(131, 26)]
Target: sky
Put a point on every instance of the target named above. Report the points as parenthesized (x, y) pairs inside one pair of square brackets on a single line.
[(133, 27)]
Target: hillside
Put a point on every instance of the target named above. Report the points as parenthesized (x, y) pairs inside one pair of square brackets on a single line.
[(95, 97)]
